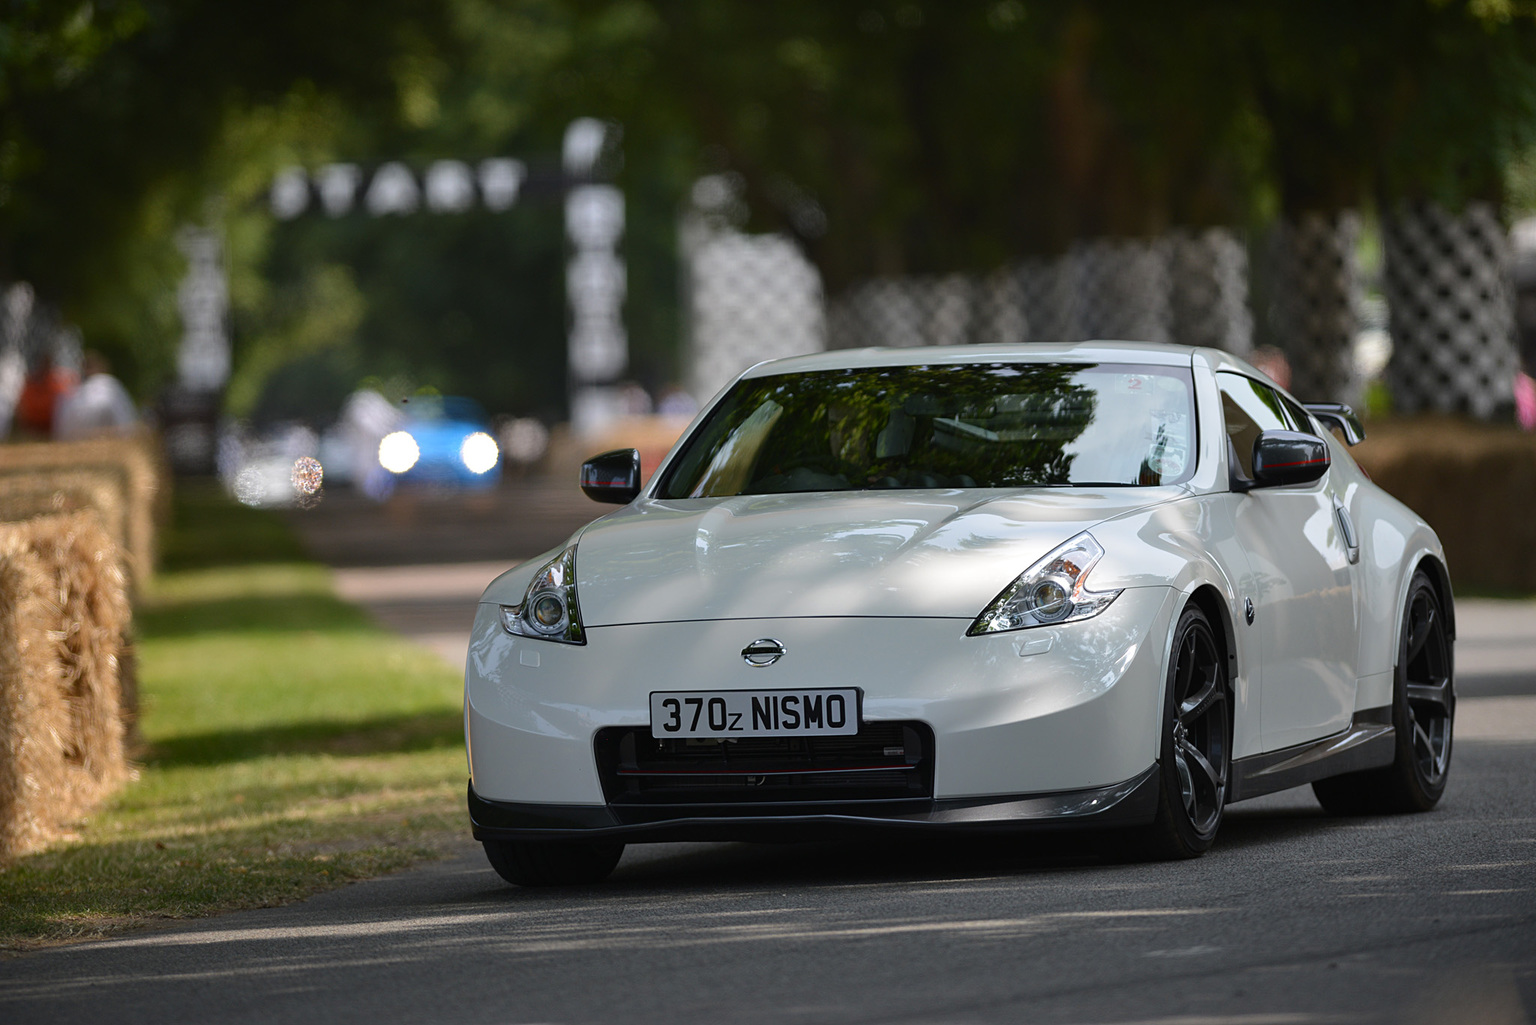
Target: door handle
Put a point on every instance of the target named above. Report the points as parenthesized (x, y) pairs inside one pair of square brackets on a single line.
[(1347, 532)]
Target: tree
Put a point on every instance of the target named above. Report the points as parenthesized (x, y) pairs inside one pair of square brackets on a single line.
[(110, 114)]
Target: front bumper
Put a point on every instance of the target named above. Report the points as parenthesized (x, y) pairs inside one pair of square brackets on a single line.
[(1131, 803), (1050, 710)]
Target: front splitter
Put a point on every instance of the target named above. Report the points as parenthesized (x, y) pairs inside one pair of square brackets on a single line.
[(1130, 803)]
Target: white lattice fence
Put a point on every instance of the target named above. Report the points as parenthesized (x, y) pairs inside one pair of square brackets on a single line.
[(1452, 314), (1317, 293), (1185, 287), (1208, 290), (1123, 290), (751, 298)]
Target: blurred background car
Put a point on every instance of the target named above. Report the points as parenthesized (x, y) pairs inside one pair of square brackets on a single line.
[(444, 442)]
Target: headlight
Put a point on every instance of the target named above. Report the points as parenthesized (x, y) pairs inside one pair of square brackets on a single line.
[(1053, 590), (478, 453), (398, 452), (548, 609)]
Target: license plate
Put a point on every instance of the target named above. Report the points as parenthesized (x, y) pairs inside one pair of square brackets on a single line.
[(755, 713)]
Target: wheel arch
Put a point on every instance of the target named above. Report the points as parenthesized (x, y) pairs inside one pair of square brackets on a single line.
[(1428, 560), (1440, 578), (1214, 605), (1208, 597)]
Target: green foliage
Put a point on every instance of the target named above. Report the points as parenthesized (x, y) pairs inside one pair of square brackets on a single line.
[(888, 136), (1396, 99), (469, 304), (112, 115)]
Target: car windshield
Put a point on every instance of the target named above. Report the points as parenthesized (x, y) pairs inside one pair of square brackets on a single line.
[(967, 425)]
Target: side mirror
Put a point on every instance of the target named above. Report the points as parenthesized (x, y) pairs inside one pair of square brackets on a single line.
[(1337, 414), (612, 477), (1282, 458)]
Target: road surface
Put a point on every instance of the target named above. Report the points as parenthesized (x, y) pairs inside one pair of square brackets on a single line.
[(1294, 917)]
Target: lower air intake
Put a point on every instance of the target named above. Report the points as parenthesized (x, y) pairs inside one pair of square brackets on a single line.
[(883, 761)]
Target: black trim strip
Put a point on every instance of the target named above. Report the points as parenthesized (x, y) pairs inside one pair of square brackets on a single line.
[(1130, 803), (1368, 742)]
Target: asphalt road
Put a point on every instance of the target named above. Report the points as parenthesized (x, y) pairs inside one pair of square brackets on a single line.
[(1294, 917)]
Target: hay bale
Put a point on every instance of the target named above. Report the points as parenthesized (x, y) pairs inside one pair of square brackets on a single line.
[(64, 614), (132, 463), (29, 494), (33, 715)]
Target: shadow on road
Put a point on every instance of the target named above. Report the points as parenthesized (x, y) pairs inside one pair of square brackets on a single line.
[(682, 868)]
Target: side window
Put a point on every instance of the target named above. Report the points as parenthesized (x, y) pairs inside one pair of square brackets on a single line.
[(1300, 417), (1250, 408)]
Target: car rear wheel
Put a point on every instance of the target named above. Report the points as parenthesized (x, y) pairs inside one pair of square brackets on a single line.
[(1196, 754), (1423, 712), (552, 864)]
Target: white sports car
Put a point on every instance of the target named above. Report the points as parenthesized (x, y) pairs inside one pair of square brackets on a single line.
[(1107, 585)]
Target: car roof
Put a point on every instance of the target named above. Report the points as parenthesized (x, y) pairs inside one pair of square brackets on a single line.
[(1099, 351), (1150, 353)]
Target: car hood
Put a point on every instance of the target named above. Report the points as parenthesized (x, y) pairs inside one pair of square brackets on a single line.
[(929, 553)]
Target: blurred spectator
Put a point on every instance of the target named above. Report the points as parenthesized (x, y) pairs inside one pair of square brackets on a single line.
[(1525, 401), (366, 418), (100, 405), (675, 402), (634, 400), (524, 440), (1271, 362), (39, 399)]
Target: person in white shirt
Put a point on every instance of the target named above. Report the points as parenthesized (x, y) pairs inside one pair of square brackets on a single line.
[(100, 405)]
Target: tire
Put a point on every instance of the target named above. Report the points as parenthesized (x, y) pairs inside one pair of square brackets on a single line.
[(1423, 714), (552, 863), (1195, 759)]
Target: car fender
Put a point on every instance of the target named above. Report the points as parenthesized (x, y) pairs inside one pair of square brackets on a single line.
[(1187, 545), (1438, 575), (1394, 542)]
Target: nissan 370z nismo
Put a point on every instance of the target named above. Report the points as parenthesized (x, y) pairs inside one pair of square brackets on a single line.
[(988, 588)]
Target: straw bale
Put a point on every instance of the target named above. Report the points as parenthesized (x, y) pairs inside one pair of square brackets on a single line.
[(64, 614), (32, 493), (133, 462), (34, 717)]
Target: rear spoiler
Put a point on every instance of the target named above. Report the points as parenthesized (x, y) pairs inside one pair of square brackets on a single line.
[(1337, 414)]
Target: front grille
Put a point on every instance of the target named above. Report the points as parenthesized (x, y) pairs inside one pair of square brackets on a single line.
[(883, 761)]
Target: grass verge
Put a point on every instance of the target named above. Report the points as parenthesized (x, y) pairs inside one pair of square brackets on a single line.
[(293, 746)]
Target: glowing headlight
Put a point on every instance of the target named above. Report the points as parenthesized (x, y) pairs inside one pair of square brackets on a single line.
[(548, 609), (1053, 590), (398, 452), (479, 452)]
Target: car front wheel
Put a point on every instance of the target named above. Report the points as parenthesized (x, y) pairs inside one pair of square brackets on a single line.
[(1196, 753), (552, 863)]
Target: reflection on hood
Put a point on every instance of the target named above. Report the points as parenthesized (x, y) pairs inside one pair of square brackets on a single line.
[(934, 553)]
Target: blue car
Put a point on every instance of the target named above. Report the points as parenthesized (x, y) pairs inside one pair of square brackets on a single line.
[(446, 442)]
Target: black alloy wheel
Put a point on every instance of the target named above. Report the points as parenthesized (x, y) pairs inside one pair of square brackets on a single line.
[(1429, 694), (1423, 717), (1196, 758)]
